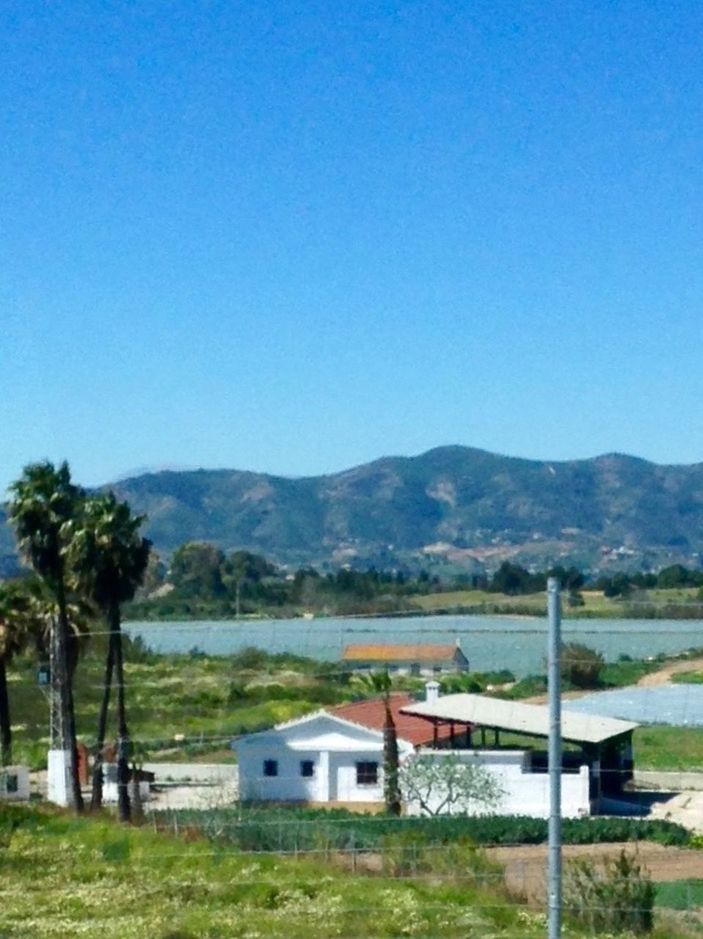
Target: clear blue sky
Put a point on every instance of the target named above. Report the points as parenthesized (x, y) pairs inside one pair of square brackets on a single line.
[(296, 237)]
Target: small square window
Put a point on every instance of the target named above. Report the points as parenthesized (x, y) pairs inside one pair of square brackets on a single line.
[(366, 774), (12, 784), (307, 768), (270, 767)]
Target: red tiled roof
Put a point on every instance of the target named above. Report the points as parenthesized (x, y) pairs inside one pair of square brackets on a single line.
[(380, 652), (372, 713)]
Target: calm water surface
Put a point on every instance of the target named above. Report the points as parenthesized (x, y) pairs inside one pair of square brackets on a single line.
[(490, 642)]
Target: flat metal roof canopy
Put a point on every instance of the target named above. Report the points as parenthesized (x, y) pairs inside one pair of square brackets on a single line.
[(529, 719)]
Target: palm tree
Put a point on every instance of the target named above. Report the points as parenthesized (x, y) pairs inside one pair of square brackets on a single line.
[(43, 501), (380, 683), (109, 558), (14, 612)]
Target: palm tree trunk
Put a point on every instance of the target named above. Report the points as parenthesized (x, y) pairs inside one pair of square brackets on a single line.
[(66, 707), (5, 725), (96, 798), (123, 807), (391, 787)]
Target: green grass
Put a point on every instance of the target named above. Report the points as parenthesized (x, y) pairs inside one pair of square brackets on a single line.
[(680, 894), (646, 604), (669, 749), (87, 877), (688, 678)]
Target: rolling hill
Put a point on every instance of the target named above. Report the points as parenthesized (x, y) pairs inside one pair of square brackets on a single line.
[(454, 506)]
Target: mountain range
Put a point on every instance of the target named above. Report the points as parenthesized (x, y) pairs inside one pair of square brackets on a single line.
[(453, 507)]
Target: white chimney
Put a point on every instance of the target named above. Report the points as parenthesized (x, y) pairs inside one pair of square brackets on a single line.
[(431, 691)]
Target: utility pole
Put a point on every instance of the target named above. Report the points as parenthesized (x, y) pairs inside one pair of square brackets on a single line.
[(555, 756), (46, 679)]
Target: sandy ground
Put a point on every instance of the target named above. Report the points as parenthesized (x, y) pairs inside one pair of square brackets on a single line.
[(664, 674)]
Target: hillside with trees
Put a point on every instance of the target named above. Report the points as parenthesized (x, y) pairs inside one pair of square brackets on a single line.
[(455, 508)]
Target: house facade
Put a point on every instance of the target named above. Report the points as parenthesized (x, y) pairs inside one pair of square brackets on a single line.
[(413, 659), (320, 758)]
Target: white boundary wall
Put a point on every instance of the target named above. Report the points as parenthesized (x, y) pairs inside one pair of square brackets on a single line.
[(525, 792), (14, 784)]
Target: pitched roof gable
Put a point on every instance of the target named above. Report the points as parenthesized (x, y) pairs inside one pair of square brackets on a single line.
[(280, 729)]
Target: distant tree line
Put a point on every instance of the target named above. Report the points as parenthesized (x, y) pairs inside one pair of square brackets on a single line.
[(622, 585), (202, 578), (512, 579)]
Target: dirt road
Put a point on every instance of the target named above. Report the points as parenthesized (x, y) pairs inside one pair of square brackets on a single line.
[(525, 865), (663, 675)]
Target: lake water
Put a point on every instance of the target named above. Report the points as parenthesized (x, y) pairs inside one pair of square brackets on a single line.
[(489, 642)]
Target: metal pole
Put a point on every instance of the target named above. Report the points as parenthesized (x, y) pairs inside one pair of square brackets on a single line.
[(555, 754)]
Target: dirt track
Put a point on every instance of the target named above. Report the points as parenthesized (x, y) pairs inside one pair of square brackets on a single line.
[(525, 865), (663, 675), (656, 679)]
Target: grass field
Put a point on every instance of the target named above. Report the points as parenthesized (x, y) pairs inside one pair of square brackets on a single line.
[(669, 749), (206, 700), (66, 877), (190, 706), (645, 604)]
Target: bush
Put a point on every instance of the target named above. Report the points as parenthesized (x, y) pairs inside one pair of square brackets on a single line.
[(615, 896), (581, 666)]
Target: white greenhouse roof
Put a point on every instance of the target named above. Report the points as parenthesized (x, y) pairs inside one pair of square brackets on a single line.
[(523, 718)]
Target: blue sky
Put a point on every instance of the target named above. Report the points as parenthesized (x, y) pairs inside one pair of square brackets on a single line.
[(296, 237)]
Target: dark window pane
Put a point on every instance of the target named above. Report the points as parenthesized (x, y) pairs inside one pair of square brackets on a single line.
[(307, 768), (270, 767), (366, 774)]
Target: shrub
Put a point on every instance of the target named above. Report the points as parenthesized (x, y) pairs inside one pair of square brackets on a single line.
[(616, 895), (581, 666)]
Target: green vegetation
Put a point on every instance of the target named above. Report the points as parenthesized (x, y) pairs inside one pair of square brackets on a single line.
[(680, 894), (82, 876), (293, 829), (207, 699), (204, 582), (584, 668), (615, 895), (669, 749), (687, 678)]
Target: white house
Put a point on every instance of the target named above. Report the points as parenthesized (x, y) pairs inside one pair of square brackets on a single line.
[(327, 758), (320, 758)]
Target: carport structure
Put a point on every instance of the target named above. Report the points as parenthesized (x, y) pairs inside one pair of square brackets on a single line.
[(605, 743)]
